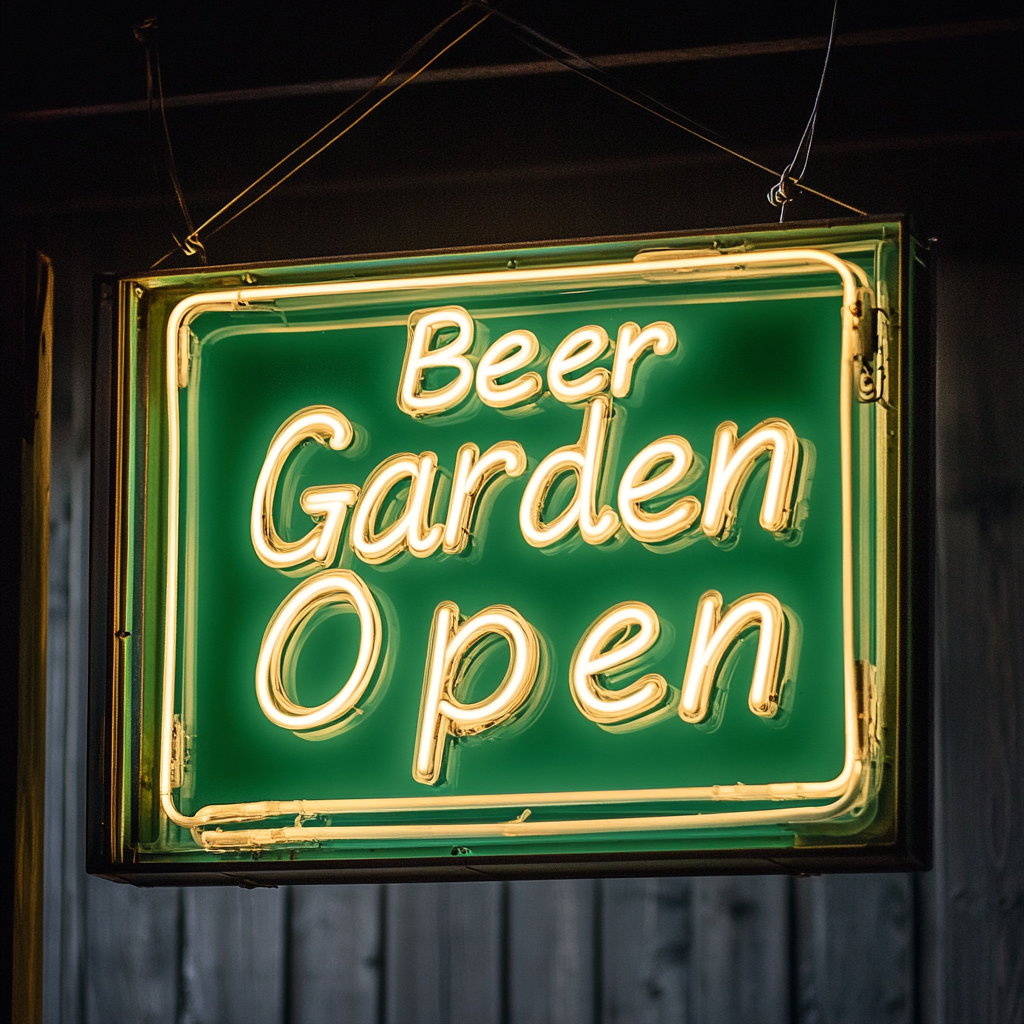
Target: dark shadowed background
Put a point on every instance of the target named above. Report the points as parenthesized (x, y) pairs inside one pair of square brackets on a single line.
[(921, 113)]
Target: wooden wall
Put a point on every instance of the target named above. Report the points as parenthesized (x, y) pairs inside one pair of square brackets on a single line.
[(946, 947)]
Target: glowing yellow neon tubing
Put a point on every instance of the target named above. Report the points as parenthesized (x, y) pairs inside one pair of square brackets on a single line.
[(423, 325), (732, 461), (604, 650), (326, 426), (511, 352), (473, 472), (295, 614), (846, 786), (659, 337), (412, 530), (580, 348), (328, 506), (713, 636), (636, 487), (450, 651), (521, 826), (584, 460)]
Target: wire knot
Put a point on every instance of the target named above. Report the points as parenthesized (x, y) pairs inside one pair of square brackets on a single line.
[(191, 246), (779, 194), (784, 191), (145, 32)]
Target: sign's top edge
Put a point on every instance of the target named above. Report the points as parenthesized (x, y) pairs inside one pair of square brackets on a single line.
[(839, 230)]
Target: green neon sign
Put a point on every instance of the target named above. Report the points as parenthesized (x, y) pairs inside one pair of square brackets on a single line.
[(537, 561)]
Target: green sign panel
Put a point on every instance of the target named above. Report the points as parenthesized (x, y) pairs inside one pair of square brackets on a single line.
[(534, 561)]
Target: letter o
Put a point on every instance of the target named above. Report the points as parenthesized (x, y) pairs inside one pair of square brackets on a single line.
[(335, 586)]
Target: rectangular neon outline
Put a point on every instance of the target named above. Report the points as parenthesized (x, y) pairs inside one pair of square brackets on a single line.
[(848, 788)]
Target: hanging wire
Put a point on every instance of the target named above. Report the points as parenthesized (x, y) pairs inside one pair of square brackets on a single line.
[(542, 44), (145, 33), (587, 69), (193, 238), (778, 194)]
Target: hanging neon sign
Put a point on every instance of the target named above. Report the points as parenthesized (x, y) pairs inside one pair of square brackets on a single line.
[(550, 557)]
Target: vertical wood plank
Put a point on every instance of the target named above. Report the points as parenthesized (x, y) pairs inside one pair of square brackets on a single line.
[(26, 455), (475, 950), (980, 641), (335, 954), (443, 953), (926, 980), (981, 861), (416, 936), (233, 962), (56, 714), (645, 923), (73, 893), (65, 966), (552, 951), (131, 953), (741, 950), (856, 949)]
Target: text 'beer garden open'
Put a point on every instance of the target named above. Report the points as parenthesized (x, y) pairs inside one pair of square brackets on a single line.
[(582, 550), (410, 505)]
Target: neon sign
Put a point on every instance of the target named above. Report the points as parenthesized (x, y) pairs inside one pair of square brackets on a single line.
[(588, 552)]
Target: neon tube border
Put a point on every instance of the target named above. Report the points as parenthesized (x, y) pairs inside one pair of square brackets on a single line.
[(845, 791)]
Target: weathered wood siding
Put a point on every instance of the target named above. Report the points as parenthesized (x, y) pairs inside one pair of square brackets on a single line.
[(979, 906), (945, 947)]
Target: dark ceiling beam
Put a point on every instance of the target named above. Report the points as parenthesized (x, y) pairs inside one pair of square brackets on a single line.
[(870, 37), (503, 174)]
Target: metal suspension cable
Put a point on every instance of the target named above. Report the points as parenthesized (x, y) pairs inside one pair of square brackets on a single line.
[(778, 194), (145, 33), (587, 69), (556, 51), (193, 239)]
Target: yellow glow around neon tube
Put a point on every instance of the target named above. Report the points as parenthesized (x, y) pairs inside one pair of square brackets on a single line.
[(714, 634), (844, 788), (854, 781), (631, 344), (594, 658), (732, 461), (326, 589), (412, 531), (473, 472), (441, 713), (328, 505), (423, 325), (636, 487), (584, 460), (510, 353), (577, 350), (326, 426)]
